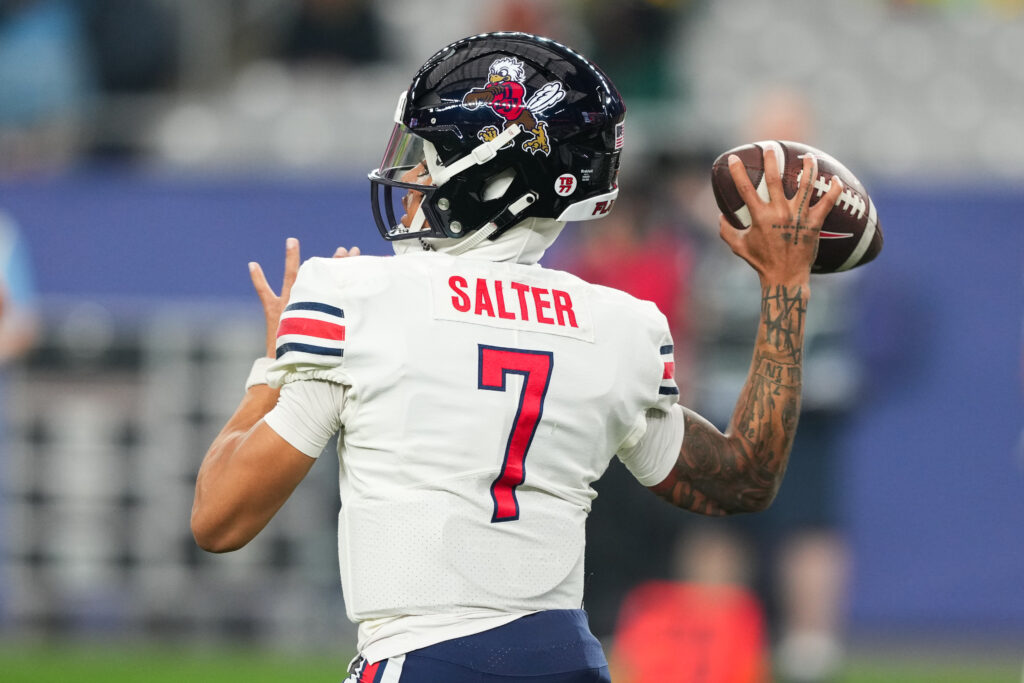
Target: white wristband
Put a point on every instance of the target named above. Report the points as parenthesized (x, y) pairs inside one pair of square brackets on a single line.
[(258, 374)]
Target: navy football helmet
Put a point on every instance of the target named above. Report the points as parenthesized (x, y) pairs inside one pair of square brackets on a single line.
[(495, 129)]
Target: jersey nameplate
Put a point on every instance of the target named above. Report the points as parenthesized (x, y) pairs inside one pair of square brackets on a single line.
[(511, 304)]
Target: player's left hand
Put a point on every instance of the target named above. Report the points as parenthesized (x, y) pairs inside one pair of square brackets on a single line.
[(342, 252), (273, 304)]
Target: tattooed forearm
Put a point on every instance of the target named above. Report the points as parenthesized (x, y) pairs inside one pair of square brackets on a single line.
[(698, 470), (713, 476), (740, 471), (781, 374), (782, 316)]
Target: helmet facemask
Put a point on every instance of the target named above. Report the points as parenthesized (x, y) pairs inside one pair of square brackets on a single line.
[(401, 188), (414, 167)]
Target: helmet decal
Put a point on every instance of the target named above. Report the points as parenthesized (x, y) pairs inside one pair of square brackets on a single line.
[(565, 184), (505, 95), (508, 68)]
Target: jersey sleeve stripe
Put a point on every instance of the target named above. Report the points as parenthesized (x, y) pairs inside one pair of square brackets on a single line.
[(308, 348), (670, 370), (311, 328), (315, 306)]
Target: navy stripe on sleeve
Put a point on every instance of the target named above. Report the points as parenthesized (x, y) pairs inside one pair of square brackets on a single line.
[(668, 390), (664, 349), (309, 348), (315, 306)]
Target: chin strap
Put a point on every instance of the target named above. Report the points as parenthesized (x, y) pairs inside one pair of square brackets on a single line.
[(473, 240), (523, 243), (498, 224), (480, 154)]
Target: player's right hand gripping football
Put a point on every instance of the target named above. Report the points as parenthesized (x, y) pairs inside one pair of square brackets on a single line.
[(782, 240)]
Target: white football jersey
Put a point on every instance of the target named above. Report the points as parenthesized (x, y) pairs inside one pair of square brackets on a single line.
[(481, 402)]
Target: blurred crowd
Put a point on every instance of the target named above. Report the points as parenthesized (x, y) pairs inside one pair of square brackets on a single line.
[(82, 79), (283, 84), (96, 80)]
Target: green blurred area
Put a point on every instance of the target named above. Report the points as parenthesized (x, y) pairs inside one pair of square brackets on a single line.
[(868, 671), (110, 664)]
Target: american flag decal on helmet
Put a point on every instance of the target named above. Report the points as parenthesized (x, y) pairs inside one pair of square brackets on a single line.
[(668, 373), (311, 327)]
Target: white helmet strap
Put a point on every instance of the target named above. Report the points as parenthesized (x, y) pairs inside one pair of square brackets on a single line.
[(476, 238), (479, 155)]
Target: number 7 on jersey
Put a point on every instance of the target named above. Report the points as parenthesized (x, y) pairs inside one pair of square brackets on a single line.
[(496, 364)]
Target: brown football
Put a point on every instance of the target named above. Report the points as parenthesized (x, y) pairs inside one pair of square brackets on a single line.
[(851, 235)]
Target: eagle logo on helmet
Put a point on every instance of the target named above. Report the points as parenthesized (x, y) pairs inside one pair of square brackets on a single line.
[(505, 95)]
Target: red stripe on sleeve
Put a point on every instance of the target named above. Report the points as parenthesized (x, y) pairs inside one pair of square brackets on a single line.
[(311, 328), (670, 370)]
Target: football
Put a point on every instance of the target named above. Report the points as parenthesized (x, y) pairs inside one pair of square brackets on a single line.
[(851, 235)]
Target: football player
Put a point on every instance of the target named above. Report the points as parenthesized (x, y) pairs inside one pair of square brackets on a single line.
[(478, 395)]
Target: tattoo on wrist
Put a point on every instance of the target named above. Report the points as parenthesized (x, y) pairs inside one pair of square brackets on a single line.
[(783, 309)]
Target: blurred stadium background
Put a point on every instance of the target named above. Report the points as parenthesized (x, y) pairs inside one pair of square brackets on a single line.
[(150, 148)]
